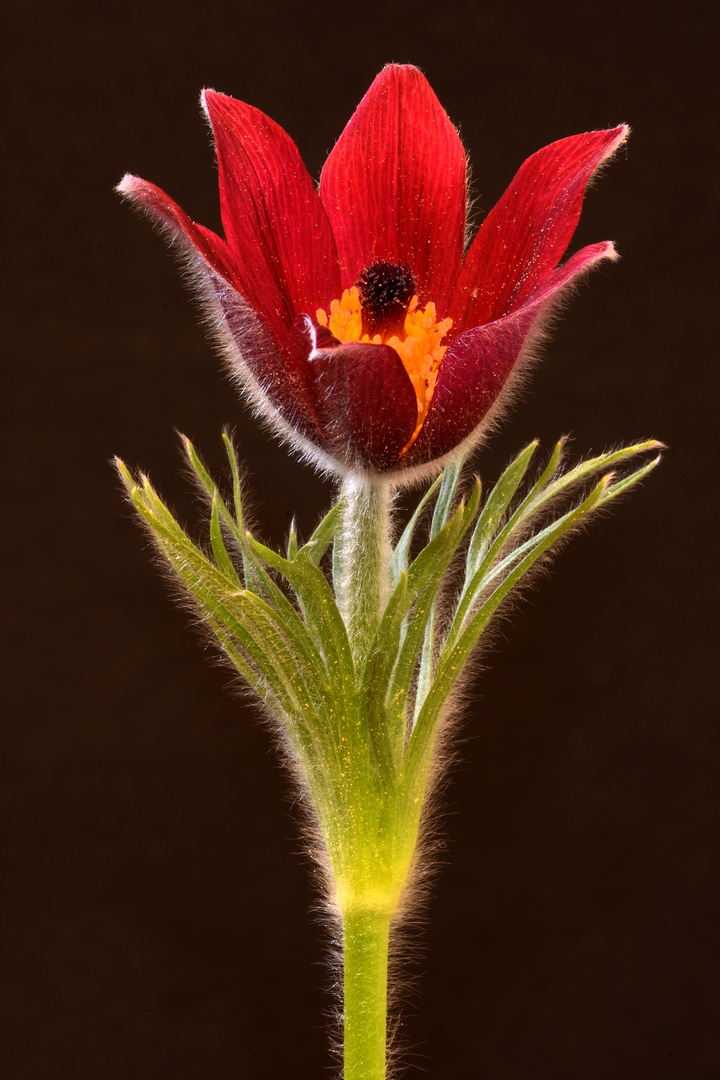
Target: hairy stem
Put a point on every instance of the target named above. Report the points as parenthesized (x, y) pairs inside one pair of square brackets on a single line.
[(363, 559), (362, 582), (366, 935)]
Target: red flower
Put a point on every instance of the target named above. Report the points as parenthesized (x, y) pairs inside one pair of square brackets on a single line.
[(349, 313)]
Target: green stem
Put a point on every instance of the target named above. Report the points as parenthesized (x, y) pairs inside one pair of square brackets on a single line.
[(366, 934), (363, 578), (362, 583)]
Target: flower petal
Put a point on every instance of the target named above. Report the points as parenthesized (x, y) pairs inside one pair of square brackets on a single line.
[(278, 379), (479, 362), (571, 271), (259, 358), (525, 235), (273, 219), (394, 186), (365, 401), (194, 239)]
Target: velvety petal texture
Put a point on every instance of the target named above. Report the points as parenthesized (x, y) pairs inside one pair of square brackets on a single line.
[(527, 232), (193, 239), (273, 220), (278, 378), (480, 361), (366, 403), (394, 186), (392, 194)]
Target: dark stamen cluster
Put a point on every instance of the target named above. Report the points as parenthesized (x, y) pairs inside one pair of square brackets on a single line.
[(385, 289)]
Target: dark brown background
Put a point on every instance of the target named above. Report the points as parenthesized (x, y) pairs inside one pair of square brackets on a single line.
[(155, 909)]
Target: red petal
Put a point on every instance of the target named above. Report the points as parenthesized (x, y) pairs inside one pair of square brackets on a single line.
[(472, 374), (394, 186), (366, 403), (282, 376), (525, 235), (570, 271), (193, 238), (276, 374), (274, 222), (479, 362)]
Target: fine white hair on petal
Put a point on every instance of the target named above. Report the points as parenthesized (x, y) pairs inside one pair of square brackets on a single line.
[(222, 305), (610, 151), (514, 386), (214, 294)]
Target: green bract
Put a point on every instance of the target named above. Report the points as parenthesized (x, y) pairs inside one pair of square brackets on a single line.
[(362, 717), (355, 642)]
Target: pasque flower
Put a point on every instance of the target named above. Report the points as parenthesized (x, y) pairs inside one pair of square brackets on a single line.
[(351, 314), (366, 332)]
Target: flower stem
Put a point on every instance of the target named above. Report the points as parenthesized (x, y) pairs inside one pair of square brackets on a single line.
[(361, 573), (365, 976), (363, 559)]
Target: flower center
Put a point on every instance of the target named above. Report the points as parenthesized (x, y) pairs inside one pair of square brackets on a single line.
[(382, 309), (386, 290)]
